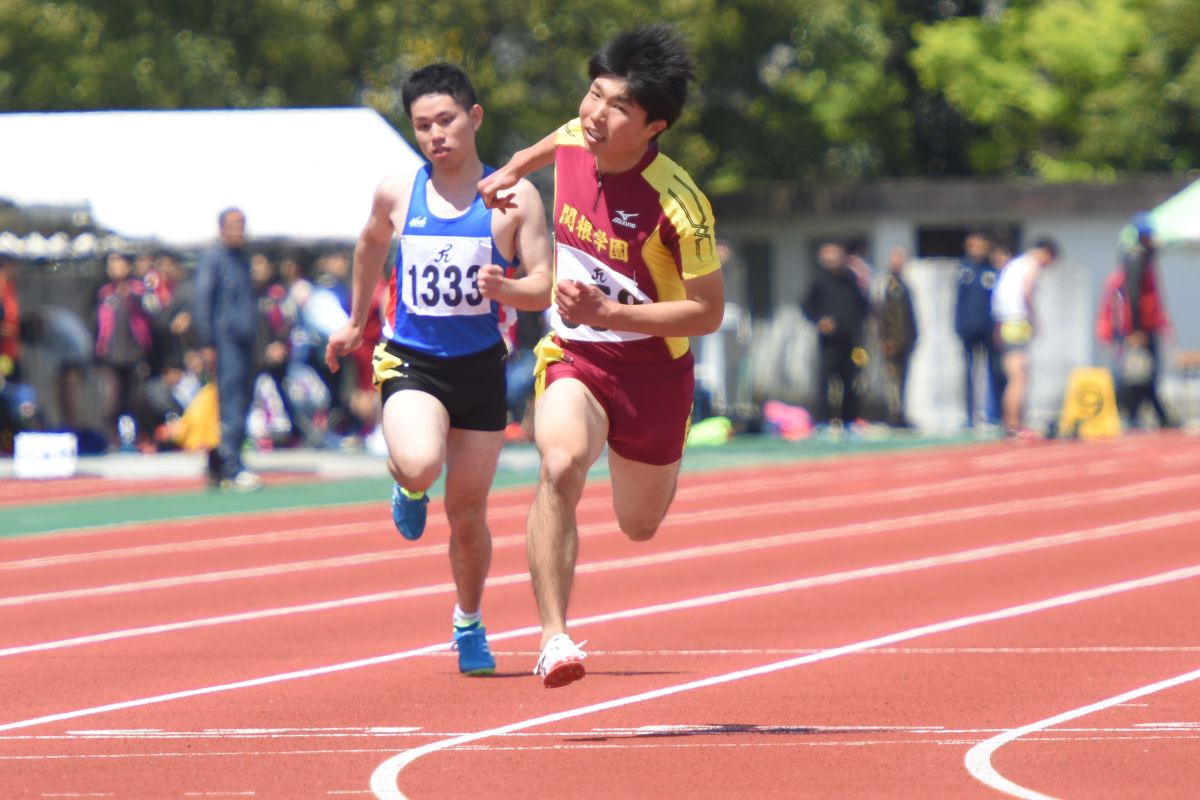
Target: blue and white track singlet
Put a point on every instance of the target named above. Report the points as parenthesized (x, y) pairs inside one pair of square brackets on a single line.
[(434, 302)]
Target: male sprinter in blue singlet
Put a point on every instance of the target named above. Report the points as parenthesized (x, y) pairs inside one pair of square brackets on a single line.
[(440, 368)]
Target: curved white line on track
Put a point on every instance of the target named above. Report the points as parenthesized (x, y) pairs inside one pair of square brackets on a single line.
[(1150, 524), (384, 778), (979, 758), (1055, 502)]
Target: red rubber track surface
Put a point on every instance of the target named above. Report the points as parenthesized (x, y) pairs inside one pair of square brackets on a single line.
[(844, 628), (32, 492)]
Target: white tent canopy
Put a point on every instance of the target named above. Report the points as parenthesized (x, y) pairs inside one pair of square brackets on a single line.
[(165, 175)]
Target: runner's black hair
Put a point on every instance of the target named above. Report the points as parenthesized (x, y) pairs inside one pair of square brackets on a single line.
[(656, 67), (438, 79)]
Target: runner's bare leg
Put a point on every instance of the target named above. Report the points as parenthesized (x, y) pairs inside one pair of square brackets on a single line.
[(415, 428), (642, 493), (470, 466), (570, 431)]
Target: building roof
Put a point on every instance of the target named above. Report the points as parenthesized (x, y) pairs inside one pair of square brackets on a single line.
[(962, 198), (304, 174)]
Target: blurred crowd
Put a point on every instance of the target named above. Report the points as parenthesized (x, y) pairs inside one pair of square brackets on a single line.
[(861, 313), (140, 348)]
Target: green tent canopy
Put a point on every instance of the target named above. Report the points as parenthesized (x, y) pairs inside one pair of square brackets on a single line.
[(1176, 221)]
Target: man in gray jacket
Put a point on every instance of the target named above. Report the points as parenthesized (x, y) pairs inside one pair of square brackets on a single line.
[(226, 322)]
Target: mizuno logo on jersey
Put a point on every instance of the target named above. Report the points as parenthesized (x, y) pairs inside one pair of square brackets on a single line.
[(625, 219), (417, 222)]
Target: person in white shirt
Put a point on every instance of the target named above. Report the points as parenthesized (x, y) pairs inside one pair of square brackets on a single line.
[(1016, 325)]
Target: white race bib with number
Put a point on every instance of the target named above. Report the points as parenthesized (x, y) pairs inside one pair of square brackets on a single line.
[(441, 275), (575, 265)]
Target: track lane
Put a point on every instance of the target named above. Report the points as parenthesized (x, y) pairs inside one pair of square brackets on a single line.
[(444, 683), (310, 697)]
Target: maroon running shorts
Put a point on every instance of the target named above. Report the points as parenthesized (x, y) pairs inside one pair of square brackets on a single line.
[(649, 405)]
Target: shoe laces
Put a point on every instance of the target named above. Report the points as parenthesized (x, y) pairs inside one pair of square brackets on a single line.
[(471, 639), (559, 648)]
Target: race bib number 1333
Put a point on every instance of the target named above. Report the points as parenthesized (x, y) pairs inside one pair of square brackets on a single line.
[(441, 274)]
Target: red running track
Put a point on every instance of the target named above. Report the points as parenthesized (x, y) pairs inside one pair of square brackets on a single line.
[(961, 623), (82, 487)]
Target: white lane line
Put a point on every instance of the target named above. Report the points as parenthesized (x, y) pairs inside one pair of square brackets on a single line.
[(1057, 502), (695, 602), (617, 743), (518, 506), (979, 758), (779, 540), (1178, 730), (886, 651), (516, 494), (194, 545), (819, 472), (502, 510), (384, 778)]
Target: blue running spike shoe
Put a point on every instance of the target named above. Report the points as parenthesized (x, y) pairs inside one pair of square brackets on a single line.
[(474, 657), (408, 513)]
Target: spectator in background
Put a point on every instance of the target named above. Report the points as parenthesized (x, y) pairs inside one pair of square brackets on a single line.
[(999, 257), (363, 406), (292, 277), (168, 273), (307, 392), (168, 394), (530, 327), (226, 324), (124, 342), (10, 321), (974, 324), (173, 334), (1016, 326), (325, 312), (836, 302), (1132, 318), (897, 335), (272, 345), (333, 273), (11, 393), (143, 270), (66, 347)]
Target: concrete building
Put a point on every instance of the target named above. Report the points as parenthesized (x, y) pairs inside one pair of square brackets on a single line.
[(774, 233)]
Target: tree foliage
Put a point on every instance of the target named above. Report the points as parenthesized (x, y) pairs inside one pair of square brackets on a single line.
[(1070, 89), (799, 89)]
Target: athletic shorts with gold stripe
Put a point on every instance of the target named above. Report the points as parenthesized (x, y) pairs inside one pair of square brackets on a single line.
[(470, 387)]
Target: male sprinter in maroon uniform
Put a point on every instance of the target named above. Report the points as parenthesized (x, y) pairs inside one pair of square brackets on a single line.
[(637, 273)]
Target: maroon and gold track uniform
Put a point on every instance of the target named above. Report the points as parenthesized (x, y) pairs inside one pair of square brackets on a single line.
[(638, 235)]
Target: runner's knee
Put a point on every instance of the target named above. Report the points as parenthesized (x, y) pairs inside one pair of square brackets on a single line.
[(639, 530), (563, 470), (466, 515), (413, 474)]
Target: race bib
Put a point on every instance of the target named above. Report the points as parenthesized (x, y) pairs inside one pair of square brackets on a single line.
[(441, 275), (576, 265)]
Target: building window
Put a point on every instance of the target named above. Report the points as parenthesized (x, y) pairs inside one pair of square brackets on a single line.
[(760, 276), (947, 241)]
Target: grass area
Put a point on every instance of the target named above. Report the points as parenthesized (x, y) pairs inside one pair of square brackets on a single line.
[(520, 470)]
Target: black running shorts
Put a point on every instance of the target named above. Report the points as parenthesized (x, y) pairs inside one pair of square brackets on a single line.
[(470, 387)]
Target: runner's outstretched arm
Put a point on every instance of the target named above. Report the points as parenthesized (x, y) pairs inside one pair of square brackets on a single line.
[(523, 162), (531, 292)]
